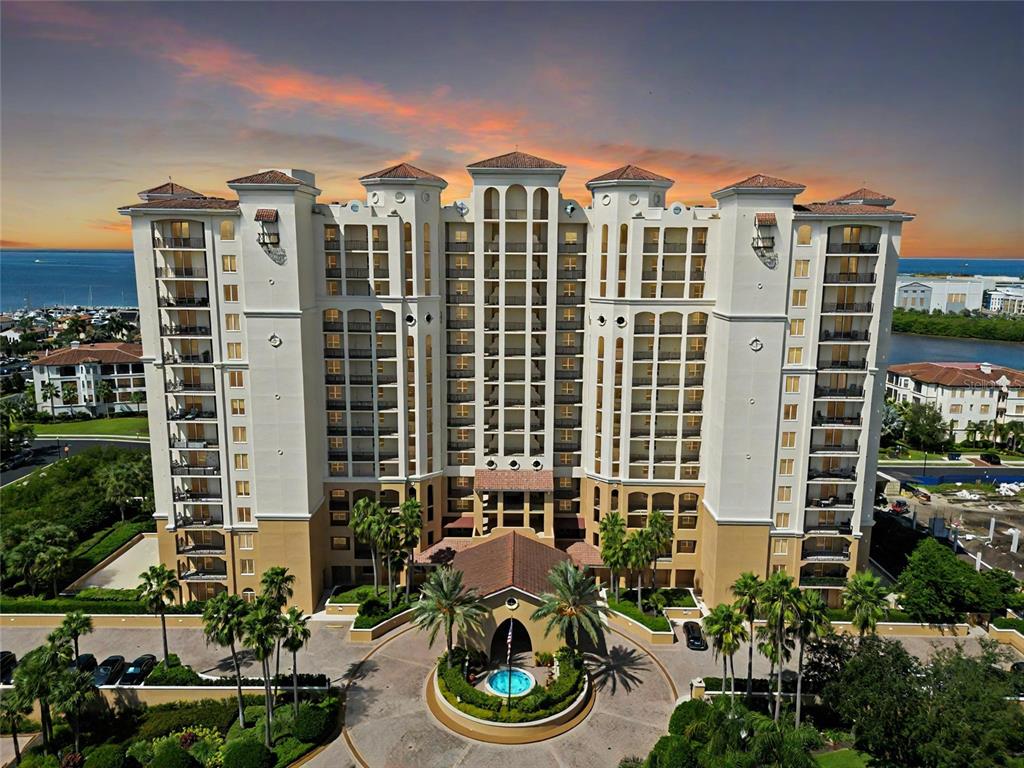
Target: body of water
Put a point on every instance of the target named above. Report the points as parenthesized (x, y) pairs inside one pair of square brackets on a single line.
[(910, 348), (1010, 267), (48, 278)]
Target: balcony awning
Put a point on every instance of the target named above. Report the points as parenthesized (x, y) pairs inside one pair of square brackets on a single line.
[(466, 521), (765, 219), (513, 480), (266, 214)]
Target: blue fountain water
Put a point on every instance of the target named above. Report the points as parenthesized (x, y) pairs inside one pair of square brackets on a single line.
[(502, 680)]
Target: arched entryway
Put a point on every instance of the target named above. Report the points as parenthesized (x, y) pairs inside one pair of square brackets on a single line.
[(522, 648)]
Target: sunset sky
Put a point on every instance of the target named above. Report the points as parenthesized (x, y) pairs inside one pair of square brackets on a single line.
[(924, 102)]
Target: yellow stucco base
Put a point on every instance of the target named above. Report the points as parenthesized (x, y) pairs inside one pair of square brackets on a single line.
[(727, 551), (499, 611)]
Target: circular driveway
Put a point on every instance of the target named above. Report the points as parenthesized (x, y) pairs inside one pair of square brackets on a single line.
[(387, 722)]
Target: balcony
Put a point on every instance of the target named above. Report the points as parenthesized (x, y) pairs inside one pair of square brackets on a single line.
[(832, 502), (185, 330), (569, 325), (204, 574), (676, 248), (194, 470), (353, 244), (850, 278), (825, 554), (186, 522), (181, 444), (851, 392), (187, 386), (183, 301), (175, 273), (461, 373), (178, 242), (458, 247), (852, 248), (461, 397), (192, 414), (832, 420), (828, 529), (185, 495), (572, 247), (854, 307), (842, 365), (332, 245), (824, 582), (836, 449), (839, 474), (460, 349), (184, 547), (515, 247), (459, 298), (844, 336)]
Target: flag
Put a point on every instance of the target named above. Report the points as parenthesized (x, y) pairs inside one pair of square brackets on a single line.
[(509, 642)]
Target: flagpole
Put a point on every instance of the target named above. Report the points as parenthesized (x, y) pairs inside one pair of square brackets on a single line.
[(508, 682)]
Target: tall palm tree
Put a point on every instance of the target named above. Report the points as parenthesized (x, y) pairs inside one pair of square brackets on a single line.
[(640, 551), (660, 526), (13, 708), (223, 624), (138, 397), (295, 631), (49, 390), (260, 633), (364, 523), (864, 598), (69, 395), (74, 625), (780, 600), (72, 690), (277, 587), (34, 678), (1015, 430), (725, 627), (104, 393), (410, 525), (445, 603), (121, 483), (158, 588), (388, 536), (613, 547), (51, 563), (747, 589), (572, 608), (812, 622)]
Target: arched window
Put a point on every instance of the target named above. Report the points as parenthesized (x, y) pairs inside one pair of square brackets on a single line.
[(604, 261), (407, 260), (491, 203), (540, 204), (426, 258), (249, 595), (515, 202), (803, 235), (623, 244)]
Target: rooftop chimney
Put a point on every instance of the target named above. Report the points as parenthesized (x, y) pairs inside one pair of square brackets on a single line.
[(985, 368), (75, 344)]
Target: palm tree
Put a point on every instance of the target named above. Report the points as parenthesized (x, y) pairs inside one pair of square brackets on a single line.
[(1015, 429), (445, 603), (69, 395), (138, 397), (660, 526), (35, 675), (157, 589), (864, 598), (725, 627), (121, 483), (812, 622), (260, 633), (295, 630), (51, 563), (223, 620), (13, 708), (49, 390), (640, 551), (613, 546), (104, 393), (780, 600), (364, 523), (573, 607), (410, 523), (388, 536), (117, 326), (747, 589), (277, 587), (74, 625), (72, 690)]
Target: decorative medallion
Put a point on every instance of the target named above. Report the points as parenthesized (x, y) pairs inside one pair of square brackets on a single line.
[(606, 199), (375, 198), (756, 344), (425, 197), (275, 340), (634, 198), (354, 206), (462, 208), (399, 197)]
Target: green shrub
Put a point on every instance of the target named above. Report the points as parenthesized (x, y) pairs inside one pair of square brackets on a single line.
[(657, 623), (372, 606), (247, 753), (374, 611), (169, 754), (106, 756), (311, 725), (38, 760), (631, 762), (673, 752), (1005, 623), (163, 719), (686, 713), (173, 673)]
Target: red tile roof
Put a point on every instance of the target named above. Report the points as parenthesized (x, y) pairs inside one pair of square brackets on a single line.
[(629, 173), (959, 374), (443, 551), (184, 204), (849, 209), (402, 171), (584, 554), (465, 521), (765, 219), (511, 560), (861, 195), (516, 160), (760, 181), (266, 214), (105, 352), (513, 480), (267, 177), (172, 189)]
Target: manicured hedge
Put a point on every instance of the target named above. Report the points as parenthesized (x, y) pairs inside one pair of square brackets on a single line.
[(106, 756), (657, 623), (247, 753), (78, 603), (182, 674), (372, 616), (163, 719), (312, 724), (673, 751), (840, 614), (173, 673), (685, 714), (1006, 623)]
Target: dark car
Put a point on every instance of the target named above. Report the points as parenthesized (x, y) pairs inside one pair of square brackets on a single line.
[(138, 670), (8, 661), (1017, 667), (108, 672), (85, 662), (991, 458), (694, 637)]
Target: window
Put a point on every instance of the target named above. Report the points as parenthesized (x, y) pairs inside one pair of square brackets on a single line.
[(785, 466), (244, 514), (340, 543), (241, 461), (799, 297), (234, 350), (237, 406), (801, 268), (236, 379), (984, 409), (778, 569), (782, 519), (780, 547), (796, 327), (686, 546), (242, 488), (232, 322), (238, 435), (785, 493), (792, 384), (249, 595), (789, 439), (795, 356), (230, 293), (803, 234), (245, 541), (956, 408), (789, 412), (227, 230), (247, 566), (229, 263)]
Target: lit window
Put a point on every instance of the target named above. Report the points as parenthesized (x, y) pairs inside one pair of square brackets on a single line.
[(229, 263), (230, 293), (234, 350), (247, 566), (788, 439), (238, 435), (785, 493), (241, 461), (801, 268), (340, 542), (956, 408), (789, 412), (796, 327), (782, 519), (785, 466), (227, 230), (244, 514), (795, 355), (242, 488), (232, 322), (799, 297), (245, 541), (237, 407), (249, 595), (792, 384), (803, 234), (780, 546), (236, 379)]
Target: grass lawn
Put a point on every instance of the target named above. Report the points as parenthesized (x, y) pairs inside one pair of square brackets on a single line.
[(912, 454), (842, 758), (127, 426)]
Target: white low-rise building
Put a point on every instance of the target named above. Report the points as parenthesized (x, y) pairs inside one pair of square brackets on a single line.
[(94, 378), (1005, 301)]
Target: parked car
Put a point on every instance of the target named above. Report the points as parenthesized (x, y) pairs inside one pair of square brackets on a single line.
[(694, 636), (85, 662), (899, 506), (138, 670), (991, 458), (108, 672), (1017, 667), (8, 661)]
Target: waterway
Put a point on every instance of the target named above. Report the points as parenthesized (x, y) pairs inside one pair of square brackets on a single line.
[(911, 348)]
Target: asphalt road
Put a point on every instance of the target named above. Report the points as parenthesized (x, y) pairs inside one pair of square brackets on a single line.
[(46, 452), (913, 471)]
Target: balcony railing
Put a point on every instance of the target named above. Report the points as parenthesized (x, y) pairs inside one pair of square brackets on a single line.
[(851, 391), (844, 335), (185, 330), (203, 575), (853, 306), (185, 386), (824, 420), (186, 495), (828, 529), (178, 242), (835, 448), (845, 365), (832, 502), (458, 247), (196, 444), (572, 247), (831, 474), (855, 278), (852, 248), (822, 581), (332, 245), (675, 248), (190, 415), (192, 469), (183, 301), (187, 521), (515, 213), (177, 272)]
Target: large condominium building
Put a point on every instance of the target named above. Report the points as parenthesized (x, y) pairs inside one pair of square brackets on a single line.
[(518, 362)]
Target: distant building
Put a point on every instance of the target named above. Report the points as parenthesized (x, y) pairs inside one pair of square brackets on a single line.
[(963, 392), (82, 367), (1005, 301), (947, 294)]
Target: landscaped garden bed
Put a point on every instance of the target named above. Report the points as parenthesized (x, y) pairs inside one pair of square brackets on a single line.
[(94, 600), (656, 622), (177, 674)]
